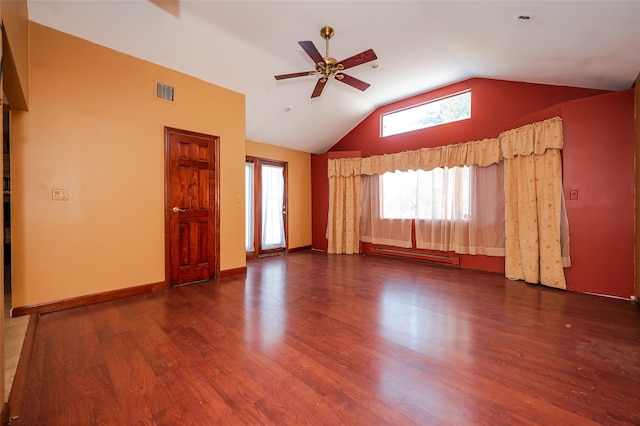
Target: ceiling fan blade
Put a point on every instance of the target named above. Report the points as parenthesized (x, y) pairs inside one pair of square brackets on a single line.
[(317, 91), (295, 74), (311, 50), (360, 58), (352, 81)]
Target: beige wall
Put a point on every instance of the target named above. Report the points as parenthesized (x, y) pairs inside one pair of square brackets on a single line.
[(94, 128), (299, 169)]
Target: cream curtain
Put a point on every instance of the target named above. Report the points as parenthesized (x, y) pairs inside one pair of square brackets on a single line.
[(534, 213), (343, 225), (477, 153)]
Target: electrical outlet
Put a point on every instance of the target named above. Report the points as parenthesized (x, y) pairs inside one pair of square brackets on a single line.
[(60, 194), (573, 194)]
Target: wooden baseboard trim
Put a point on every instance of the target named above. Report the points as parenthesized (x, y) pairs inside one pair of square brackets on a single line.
[(297, 249), (232, 272), (90, 299), (19, 387)]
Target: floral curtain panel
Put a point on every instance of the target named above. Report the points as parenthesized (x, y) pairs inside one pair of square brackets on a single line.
[(534, 205), (343, 225)]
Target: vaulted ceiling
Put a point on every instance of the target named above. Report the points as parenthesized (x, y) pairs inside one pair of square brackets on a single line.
[(421, 45)]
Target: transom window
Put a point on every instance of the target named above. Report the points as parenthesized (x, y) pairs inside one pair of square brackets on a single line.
[(441, 111)]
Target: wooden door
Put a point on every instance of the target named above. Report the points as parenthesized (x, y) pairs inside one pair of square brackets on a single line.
[(192, 209)]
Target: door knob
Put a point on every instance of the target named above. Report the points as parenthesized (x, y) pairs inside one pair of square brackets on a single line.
[(177, 209)]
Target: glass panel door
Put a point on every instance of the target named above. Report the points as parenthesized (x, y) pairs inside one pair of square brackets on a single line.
[(273, 208), (265, 207)]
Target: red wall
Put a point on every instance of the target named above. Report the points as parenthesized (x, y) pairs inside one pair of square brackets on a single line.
[(598, 161), (495, 104), (598, 125), (319, 201)]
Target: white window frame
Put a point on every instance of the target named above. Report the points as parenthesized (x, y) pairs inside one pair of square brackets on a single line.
[(415, 117)]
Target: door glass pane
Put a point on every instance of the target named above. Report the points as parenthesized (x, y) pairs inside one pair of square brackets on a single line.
[(248, 202), (272, 205)]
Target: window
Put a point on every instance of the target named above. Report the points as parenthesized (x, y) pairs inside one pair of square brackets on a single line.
[(438, 194), (446, 110)]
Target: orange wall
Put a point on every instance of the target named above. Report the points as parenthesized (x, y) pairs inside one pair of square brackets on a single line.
[(15, 18), (299, 197), (94, 127)]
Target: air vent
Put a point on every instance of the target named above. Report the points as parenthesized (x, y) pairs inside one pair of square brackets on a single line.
[(164, 91)]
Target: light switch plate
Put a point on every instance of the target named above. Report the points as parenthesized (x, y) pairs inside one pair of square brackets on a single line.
[(60, 194), (573, 194)]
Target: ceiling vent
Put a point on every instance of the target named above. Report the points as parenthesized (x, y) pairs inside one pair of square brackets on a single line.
[(164, 92)]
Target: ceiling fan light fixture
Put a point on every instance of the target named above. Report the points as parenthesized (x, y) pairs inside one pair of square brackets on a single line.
[(327, 66)]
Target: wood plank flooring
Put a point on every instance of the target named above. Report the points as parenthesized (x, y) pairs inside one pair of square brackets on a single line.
[(319, 339)]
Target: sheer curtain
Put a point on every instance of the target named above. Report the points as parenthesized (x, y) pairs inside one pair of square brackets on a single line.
[(461, 210), (379, 230), (458, 209), (272, 204), (248, 202)]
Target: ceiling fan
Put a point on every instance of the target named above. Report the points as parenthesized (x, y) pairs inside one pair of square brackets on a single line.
[(327, 66)]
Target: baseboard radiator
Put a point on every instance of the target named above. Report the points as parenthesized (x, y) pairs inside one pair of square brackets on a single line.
[(413, 254)]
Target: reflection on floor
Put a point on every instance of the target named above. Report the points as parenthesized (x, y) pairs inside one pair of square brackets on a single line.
[(14, 332)]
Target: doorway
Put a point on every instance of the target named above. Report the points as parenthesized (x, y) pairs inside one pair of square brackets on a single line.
[(6, 186), (266, 207), (192, 211)]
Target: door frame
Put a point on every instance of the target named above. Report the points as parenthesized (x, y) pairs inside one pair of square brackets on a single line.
[(257, 206), (167, 200)]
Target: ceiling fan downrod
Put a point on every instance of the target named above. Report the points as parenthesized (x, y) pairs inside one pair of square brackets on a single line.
[(328, 68)]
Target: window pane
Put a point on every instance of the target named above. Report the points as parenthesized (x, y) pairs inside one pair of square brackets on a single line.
[(447, 110), (248, 203), (272, 204), (398, 195), (438, 194)]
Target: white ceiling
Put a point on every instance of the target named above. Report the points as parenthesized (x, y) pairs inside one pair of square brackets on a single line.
[(421, 45)]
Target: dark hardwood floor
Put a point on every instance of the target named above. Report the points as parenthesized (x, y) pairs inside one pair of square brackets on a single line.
[(320, 339)]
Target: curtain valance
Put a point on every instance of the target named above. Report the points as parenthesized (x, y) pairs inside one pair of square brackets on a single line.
[(533, 138), (477, 153), (344, 167)]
